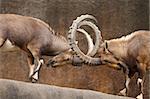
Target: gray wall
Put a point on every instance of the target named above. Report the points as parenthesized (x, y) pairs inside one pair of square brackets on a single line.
[(115, 17)]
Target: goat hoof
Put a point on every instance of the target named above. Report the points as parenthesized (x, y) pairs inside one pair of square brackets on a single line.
[(120, 94), (123, 92), (33, 80), (140, 96)]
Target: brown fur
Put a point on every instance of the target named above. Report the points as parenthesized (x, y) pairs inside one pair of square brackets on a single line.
[(132, 50), (31, 35)]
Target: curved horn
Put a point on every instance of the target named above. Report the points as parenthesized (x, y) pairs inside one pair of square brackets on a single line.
[(80, 19), (97, 33), (84, 17), (89, 40), (72, 38)]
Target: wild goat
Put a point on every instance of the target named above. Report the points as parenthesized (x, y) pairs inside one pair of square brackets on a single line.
[(131, 52), (35, 37)]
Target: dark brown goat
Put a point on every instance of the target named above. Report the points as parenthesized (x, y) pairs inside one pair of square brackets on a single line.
[(33, 36)]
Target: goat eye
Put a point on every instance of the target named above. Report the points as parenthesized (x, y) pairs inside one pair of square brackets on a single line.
[(67, 59)]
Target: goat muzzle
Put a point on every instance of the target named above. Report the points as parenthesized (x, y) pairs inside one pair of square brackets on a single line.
[(50, 63)]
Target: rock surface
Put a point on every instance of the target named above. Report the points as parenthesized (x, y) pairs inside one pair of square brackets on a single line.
[(11, 89)]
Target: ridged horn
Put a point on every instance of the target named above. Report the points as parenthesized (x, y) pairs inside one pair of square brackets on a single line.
[(72, 38), (97, 34), (89, 40)]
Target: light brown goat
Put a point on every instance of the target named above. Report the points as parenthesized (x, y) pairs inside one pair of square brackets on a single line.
[(131, 52)]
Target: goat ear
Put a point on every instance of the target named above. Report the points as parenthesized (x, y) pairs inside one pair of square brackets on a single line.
[(106, 44)]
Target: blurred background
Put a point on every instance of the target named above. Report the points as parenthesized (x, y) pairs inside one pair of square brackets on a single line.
[(115, 19)]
